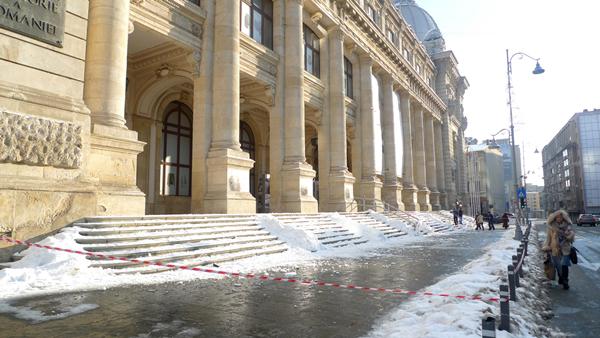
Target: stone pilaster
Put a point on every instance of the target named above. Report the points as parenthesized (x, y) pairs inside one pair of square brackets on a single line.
[(228, 186), (341, 181), (113, 148), (449, 161), (409, 190), (419, 160), (439, 161), (392, 189), (431, 173), (296, 175)]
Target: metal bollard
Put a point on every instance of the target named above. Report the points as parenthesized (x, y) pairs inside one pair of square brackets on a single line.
[(519, 256), (515, 260), (504, 309), (488, 327), (525, 244), (512, 283)]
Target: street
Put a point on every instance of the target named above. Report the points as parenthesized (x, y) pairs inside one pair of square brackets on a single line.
[(232, 308), (577, 310)]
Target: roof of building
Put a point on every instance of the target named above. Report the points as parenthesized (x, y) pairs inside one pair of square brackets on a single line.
[(421, 22)]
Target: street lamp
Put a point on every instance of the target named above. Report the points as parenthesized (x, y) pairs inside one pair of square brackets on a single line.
[(538, 70)]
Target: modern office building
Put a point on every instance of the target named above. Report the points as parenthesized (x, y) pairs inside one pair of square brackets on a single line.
[(223, 106), (507, 172), (485, 185), (572, 166)]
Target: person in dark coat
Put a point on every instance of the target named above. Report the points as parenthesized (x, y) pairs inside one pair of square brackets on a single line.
[(505, 221), (460, 215), (455, 214), (491, 221)]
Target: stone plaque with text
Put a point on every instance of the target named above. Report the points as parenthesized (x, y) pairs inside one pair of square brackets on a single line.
[(43, 20)]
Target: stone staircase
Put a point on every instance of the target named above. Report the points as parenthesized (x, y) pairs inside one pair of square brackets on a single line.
[(436, 223), (328, 232), (404, 217), (364, 218), (192, 240)]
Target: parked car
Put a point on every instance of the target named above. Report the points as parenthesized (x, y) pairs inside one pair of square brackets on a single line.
[(588, 219)]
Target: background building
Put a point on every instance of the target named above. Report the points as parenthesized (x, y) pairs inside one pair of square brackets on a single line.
[(507, 173), (572, 166), (486, 184)]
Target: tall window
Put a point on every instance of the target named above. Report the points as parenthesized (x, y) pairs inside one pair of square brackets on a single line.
[(312, 56), (372, 13), (176, 154), (257, 20), (348, 89), (248, 145)]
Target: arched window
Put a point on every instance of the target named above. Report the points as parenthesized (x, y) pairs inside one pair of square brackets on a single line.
[(176, 151), (248, 145)]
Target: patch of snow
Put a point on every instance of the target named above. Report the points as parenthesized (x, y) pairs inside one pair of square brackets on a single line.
[(364, 231), (293, 236), (37, 316), (450, 317)]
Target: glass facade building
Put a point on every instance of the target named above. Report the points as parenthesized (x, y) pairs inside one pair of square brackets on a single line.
[(589, 137)]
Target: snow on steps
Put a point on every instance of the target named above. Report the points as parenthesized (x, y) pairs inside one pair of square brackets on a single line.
[(364, 218)]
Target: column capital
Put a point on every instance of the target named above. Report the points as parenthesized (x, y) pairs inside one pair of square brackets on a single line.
[(336, 34), (366, 58)]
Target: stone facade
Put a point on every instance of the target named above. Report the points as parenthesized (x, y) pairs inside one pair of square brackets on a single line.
[(228, 106)]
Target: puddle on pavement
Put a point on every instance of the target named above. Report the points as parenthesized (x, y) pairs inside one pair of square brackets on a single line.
[(38, 310)]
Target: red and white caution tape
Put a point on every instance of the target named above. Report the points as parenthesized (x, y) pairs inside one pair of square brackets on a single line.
[(254, 276)]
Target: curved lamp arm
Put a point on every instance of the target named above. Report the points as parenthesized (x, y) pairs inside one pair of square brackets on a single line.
[(521, 54)]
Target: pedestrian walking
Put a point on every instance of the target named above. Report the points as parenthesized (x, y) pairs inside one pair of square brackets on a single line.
[(455, 214), (559, 240), (460, 215), (505, 221), (479, 222), (491, 221)]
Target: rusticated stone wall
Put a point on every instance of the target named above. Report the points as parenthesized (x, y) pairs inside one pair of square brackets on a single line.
[(39, 141)]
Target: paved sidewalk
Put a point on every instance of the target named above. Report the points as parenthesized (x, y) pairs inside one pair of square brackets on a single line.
[(258, 309), (577, 311)]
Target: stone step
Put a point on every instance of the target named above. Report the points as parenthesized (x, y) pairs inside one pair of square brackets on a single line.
[(149, 223), (336, 235), (115, 264), (183, 226), (189, 246), (344, 239), (161, 234), (100, 219), (170, 241), (343, 244), (203, 261)]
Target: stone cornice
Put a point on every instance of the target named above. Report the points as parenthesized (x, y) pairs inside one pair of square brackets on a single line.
[(156, 55)]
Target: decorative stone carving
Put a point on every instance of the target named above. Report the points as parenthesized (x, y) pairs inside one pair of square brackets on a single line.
[(39, 141)]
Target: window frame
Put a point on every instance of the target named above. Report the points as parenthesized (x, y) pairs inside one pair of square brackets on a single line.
[(265, 18), (348, 78), (314, 47), (180, 109)]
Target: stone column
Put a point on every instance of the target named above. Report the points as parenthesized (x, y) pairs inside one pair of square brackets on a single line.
[(228, 189), (449, 161), (409, 190), (106, 61), (434, 196), (341, 181), (419, 163), (439, 161), (296, 175), (392, 190), (461, 169), (370, 184)]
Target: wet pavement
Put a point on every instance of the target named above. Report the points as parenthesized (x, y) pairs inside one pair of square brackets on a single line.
[(577, 311), (250, 308)]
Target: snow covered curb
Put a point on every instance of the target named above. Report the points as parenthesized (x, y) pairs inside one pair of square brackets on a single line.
[(449, 317)]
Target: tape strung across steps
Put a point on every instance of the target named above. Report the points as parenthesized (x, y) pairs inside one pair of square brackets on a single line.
[(260, 277)]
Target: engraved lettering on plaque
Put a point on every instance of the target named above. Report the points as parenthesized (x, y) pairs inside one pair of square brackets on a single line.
[(42, 20)]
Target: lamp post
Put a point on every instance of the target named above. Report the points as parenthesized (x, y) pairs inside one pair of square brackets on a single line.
[(538, 70)]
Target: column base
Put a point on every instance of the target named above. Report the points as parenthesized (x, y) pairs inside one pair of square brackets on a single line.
[(228, 190), (434, 198), (444, 201), (341, 192), (409, 198), (297, 188), (370, 194), (392, 195), (423, 198)]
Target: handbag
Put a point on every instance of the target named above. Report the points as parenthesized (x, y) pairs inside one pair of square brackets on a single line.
[(573, 255), (549, 269)]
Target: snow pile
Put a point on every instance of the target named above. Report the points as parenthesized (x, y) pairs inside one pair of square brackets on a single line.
[(364, 231), (37, 316), (450, 317), (398, 224), (293, 236)]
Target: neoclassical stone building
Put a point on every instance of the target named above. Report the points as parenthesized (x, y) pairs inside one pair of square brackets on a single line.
[(224, 106)]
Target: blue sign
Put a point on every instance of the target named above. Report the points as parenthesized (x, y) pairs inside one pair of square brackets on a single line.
[(521, 192)]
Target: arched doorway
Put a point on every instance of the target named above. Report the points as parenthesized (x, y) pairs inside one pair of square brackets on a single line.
[(248, 145), (176, 151)]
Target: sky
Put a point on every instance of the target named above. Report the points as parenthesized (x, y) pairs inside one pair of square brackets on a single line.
[(565, 35)]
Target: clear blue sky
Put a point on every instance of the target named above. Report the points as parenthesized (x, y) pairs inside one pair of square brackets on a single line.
[(564, 34)]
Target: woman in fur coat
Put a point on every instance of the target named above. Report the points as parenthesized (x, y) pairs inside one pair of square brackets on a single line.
[(559, 239)]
